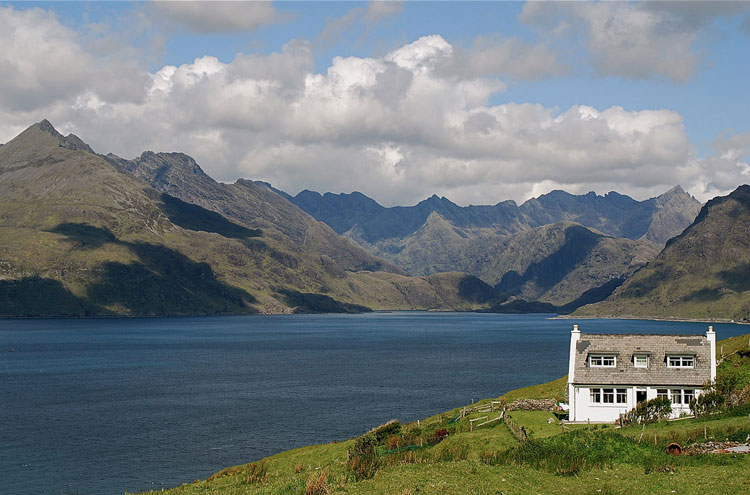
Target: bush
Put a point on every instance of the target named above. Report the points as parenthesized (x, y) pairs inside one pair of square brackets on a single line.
[(363, 457), (382, 432), (650, 411), (439, 436), (707, 403)]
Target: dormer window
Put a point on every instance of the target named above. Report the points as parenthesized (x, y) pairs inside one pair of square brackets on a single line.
[(680, 361), (602, 360), (640, 360)]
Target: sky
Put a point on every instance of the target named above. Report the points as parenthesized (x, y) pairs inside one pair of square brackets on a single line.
[(478, 102)]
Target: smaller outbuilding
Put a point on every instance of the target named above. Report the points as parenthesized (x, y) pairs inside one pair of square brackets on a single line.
[(609, 374)]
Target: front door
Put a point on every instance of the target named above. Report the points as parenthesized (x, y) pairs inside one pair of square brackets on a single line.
[(640, 395)]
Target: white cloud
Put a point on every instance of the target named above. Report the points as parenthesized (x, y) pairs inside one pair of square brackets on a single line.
[(43, 62), (398, 127), (507, 57), (633, 40), (207, 17)]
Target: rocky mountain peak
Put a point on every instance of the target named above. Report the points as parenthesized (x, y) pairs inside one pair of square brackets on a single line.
[(37, 142), (71, 141)]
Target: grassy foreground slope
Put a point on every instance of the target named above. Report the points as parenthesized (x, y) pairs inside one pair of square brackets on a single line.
[(489, 459)]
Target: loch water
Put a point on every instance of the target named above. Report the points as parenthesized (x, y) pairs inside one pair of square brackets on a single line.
[(101, 406)]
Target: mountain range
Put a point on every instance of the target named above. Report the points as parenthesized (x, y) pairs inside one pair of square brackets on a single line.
[(702, 273), (552, 249), (84, 234)]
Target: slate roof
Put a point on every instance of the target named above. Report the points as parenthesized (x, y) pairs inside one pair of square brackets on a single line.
[(657, 346)]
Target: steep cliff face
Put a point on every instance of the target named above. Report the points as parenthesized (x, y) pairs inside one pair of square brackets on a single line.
[(702, 273)]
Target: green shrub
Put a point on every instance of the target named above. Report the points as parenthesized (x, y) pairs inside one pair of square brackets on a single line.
[(650, 411), (382, 432), (363, 457), (707, 403)]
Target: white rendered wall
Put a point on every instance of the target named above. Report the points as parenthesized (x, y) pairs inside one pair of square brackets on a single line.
[(596, 412)]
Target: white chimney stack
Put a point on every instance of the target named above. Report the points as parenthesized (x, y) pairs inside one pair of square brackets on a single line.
[(711, 337), (575, 336)]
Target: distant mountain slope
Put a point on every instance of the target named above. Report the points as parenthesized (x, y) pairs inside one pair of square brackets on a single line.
[(555, 263), (253, 204), (78, 237), (657, 219), (552, 249), (702, 273)]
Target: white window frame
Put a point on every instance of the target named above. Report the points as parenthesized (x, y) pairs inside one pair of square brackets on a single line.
[(645, 359), (608, 396), (598, 360), (595, 395), (662, 393), (688, 392), (679, 361), (676, 398)]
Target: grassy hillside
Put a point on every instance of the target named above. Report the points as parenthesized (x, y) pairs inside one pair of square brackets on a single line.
[(489, 459), (80, 238), (704, 273)]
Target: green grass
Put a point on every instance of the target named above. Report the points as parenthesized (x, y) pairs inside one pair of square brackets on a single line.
[(536, 423), (549, 390)]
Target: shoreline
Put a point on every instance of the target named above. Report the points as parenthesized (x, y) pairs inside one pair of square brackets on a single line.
[(652, 318)]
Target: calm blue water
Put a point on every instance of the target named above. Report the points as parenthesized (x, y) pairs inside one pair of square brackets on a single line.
[(104, 406)]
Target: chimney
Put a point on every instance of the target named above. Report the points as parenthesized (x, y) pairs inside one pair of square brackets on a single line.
[(711, 337), (575, 336)]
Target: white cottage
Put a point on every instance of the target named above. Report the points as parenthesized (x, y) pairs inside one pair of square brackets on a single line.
[(609, 374)]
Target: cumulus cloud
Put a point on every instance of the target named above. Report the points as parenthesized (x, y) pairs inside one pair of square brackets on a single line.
[(44, 62), (208, 17), (398, 127), (491, 55), (633, 40)]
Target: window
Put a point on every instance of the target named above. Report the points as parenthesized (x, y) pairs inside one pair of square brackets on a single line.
[(661, 393), (608, 395), (676, 396), (601, 361), (640, 360), (680, 361), (688, 395), (595, 395)]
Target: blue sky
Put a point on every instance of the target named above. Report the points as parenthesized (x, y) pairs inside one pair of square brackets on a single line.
[(477, 101)]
